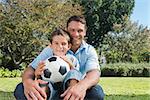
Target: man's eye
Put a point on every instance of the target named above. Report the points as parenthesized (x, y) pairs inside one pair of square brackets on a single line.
[(56, 43), (72, 30), (80, 31)]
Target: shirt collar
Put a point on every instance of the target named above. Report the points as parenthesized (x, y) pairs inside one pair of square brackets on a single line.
[(82, 46)]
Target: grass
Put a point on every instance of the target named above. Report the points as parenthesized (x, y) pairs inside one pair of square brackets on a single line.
[(7, 86), (126, 88), (125, 85), (115, 88)]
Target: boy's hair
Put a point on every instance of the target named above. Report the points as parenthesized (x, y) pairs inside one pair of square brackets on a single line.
[(80, 19), (62, 32)]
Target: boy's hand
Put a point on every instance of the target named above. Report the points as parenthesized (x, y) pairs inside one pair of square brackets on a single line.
[(39, 70)]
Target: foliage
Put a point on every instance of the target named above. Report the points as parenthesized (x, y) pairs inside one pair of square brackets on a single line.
[(101, 15), (126, 69), (128, 43), (6, 73), (25, 27)]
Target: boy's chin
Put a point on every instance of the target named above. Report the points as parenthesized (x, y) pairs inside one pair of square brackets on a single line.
[(60, 54)]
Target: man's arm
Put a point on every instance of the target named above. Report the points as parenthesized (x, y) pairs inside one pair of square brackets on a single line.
[(78, 90), (91, 78), (28, 74), (32, 90)]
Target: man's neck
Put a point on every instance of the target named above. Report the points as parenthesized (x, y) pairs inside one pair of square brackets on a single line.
[(74, 48)]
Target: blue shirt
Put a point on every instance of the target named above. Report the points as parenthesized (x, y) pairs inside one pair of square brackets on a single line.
[(47, 53), (87, 57)]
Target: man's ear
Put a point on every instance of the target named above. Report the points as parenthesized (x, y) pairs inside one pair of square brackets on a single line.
[(69, 46)]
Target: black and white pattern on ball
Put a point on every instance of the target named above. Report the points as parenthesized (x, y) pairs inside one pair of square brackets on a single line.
[(52, 59), (62, 70), (47, 73), (55, 69)]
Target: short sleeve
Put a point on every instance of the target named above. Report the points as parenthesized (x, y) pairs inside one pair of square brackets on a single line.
[(92, 60), (45, 54)]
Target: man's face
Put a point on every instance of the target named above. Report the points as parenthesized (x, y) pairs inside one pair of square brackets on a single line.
[(60, 45), (77, 31)]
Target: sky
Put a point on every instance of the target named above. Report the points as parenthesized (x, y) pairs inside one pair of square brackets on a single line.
[(141, 12)]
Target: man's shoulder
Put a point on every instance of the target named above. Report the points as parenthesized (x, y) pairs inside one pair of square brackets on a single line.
[(88, 47)]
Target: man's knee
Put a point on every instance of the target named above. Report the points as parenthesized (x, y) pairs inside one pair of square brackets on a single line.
[(19, 92), (95, 93), (100, 92)]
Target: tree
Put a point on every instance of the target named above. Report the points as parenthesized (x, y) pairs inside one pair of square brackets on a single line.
[(25, 26), (128, 43), (101, 15)]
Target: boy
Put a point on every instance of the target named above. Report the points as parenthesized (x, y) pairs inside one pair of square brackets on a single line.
[(60, 44)]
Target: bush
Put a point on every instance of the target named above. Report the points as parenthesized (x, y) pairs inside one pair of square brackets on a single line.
[(122, 71), (126, 69), (6, 73), (146, 71), (109, 71)]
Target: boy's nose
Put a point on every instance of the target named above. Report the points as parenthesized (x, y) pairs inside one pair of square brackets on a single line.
[(60, 46)]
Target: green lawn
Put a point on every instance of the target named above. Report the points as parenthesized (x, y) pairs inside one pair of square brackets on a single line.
[(125, 85), (115, 88), (7, 86), (126, 88)]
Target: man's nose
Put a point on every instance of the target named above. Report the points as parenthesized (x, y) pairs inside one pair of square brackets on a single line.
[(75, 33)]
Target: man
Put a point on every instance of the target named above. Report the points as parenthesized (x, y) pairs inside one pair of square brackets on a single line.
[(87, 87)]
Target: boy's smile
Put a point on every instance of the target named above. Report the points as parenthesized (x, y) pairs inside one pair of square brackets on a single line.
[(60, 45)]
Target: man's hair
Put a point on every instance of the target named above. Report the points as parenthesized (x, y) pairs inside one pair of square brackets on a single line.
[(62, 32), (78, 19)]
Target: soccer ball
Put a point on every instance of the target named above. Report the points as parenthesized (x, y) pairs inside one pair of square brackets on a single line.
[(55, 69)]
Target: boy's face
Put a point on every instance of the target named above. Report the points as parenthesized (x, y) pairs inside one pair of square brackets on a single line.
[(60, 45), (77, 31)]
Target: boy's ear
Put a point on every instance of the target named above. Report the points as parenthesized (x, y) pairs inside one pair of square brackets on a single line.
[(49, 45)]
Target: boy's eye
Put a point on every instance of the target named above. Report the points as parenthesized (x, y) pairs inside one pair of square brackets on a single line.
[(63, 43)]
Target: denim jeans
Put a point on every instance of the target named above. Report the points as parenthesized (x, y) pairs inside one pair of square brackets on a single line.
[(94, 93)]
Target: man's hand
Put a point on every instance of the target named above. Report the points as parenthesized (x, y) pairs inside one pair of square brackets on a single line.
[(78, 91), (33, 91), (75, 92)]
